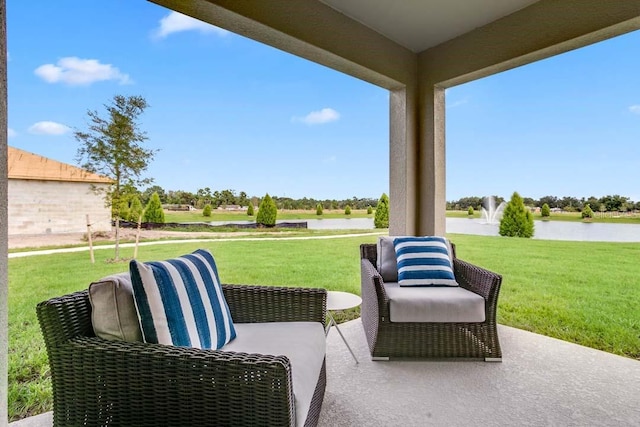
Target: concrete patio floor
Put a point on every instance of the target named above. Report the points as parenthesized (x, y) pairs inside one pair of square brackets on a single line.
[(540, 382)]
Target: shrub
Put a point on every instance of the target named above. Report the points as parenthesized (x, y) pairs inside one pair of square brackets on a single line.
[(135, 210), (347, 210), (470, 211), (545, 211), (517, 220), (319, 209), (120, 209), (153, 211), (587, 212), (381, 218), (206, 211), (267, 212), (250, 211), (369, 210)]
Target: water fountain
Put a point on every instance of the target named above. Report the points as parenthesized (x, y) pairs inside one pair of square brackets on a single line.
[(490, 213)]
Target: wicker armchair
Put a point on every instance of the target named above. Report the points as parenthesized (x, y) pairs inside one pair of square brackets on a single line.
[(388, 339), (98, 382)]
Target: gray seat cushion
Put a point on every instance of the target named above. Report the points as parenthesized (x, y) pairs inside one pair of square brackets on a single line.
[(434, 304), (303, 343)]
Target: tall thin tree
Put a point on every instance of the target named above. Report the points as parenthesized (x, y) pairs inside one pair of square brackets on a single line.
[(112, 147)]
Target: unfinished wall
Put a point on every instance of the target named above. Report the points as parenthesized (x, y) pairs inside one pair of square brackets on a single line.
[(37, 207)]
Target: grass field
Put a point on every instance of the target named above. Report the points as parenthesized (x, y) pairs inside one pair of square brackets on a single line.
[(283, 215), (583, 292)]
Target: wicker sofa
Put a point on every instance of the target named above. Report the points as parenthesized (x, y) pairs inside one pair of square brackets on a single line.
[(410, 339), (103, 382)]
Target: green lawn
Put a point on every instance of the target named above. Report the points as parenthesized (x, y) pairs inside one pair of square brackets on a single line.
[(582, 292), (283, 215)]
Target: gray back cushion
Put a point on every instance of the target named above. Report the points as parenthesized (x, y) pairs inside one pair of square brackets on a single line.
[(387, 264), (114, 316)]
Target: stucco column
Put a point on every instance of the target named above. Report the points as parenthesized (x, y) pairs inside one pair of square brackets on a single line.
[(417, 162), (431, 169), (402, 161), (4, 285)]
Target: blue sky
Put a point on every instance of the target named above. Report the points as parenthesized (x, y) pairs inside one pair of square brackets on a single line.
[(230, 113)]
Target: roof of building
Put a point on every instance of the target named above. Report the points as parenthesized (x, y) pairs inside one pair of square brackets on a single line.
[(25, 165)]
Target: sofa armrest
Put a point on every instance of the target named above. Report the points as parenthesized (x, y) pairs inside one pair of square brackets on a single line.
[(152, 384), (478, 280), (374, 297), (253, 304)]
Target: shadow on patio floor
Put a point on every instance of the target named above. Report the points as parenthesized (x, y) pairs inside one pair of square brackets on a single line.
[(540, 382)]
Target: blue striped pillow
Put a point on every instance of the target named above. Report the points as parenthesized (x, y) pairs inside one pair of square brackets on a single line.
[(180, 302), (424, 261)]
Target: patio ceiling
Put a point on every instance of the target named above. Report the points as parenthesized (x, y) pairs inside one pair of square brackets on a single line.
[(420, 24), (386, 42)]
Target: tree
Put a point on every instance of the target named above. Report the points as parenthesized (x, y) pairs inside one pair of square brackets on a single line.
[(613, 203), (517, 220), (347, 210), (470, 211), (146, 195), (135, 209), (204, 197), (587, 212), (112, 147), (267, 212), (552, 201), (206, 211), (369, 210), (250, 211), (381, 218), (153, 211), (545, 211), (242, 199), (319, 209)]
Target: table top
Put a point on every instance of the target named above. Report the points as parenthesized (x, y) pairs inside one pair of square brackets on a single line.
[(338, 300)]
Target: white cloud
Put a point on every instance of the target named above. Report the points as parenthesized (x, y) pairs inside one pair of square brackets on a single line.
[(48, 128), (635, 109), (330, 160), (325, 115), (176, 22), (11, 133), (458, 103), (76, 71)]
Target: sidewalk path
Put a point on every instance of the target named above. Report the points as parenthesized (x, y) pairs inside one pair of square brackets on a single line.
[(173, 241)]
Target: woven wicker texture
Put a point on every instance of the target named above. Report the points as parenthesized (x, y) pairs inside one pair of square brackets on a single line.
[(429, 340), (98, 382)]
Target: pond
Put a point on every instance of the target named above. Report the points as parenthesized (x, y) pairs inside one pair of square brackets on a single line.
[(555, 230), (544, 230)]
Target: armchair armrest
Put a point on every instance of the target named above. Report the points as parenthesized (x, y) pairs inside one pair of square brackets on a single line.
[(478, 280), (252, 304)]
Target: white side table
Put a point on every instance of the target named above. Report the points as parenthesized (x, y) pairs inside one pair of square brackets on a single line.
[(336, 301)]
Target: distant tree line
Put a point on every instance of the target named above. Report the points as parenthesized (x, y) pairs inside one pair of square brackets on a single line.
[(217, 198), (609, 203)]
